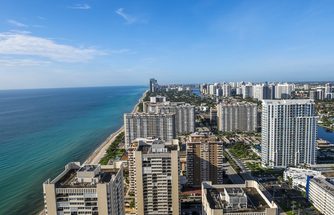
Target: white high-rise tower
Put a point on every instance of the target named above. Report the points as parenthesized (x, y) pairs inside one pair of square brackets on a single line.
[(289, 129)]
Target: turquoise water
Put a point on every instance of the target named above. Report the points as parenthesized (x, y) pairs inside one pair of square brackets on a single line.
[(41, 130)]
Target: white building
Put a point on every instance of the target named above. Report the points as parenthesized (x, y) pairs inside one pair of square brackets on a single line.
[(299, 176), (143, 125), (321, 194), (247, 91), (283, 91), (236, 199), (289, 129), (237, 116), (86, 189)]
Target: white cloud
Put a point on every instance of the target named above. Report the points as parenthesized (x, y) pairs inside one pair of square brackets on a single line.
[(119, 51), (17, 23), (12, 62), (129, 19), (27, 45), (80, 6)]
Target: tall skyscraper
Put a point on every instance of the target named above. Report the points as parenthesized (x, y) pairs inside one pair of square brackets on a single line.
[(137, 125), (204, 159), (86, 189), (153, 85), (184, 114), (237, 116), (154, 174), (289, 129), (283, 91)]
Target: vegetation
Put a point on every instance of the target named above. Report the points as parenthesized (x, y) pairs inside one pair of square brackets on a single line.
[(113, 151), (231, 161), (140, 107), (243, 151)]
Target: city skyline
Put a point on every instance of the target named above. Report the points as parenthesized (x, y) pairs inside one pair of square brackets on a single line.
[(102, 43)]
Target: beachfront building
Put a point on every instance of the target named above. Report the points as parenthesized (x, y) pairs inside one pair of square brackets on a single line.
[(320, 193), (154, 173), (237, 116), (289, 129), (85, 189), (142, 125), (204, 159), (238, 199), (184, 114)]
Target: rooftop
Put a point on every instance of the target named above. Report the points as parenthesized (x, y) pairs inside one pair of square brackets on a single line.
[(88, 176), (325, 183), (254, 200), (288, 101)]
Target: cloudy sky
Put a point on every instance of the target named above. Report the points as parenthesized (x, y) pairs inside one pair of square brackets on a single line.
[(71, 43)]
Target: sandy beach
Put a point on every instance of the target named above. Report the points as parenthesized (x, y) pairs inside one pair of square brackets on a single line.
[(98, 154)]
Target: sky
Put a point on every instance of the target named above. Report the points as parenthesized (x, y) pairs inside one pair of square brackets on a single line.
[(77, 43)]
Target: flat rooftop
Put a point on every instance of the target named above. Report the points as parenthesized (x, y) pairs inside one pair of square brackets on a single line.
[(157, 146), (69, 177), (288, 101), (326, 184), (255, 202)]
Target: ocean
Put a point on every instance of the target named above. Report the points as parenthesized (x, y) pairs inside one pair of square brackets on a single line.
[(41, 130)]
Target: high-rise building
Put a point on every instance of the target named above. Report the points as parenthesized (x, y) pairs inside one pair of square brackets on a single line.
[(184, 114), (247, 91), (86, 189), (137, 125), (320, 192), (289, 129), (153, 85), (283, 91), (258, 91), (237, 116), (204, 160), (155, 177), (226, 90)]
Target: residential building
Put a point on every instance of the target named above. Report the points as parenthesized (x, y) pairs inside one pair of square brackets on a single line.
[(154, 174), (247, 91), (204, 159), (238, 199), (143, 125), (320, 192), (85, 189), (237, 116), (283, 91), (289, 129), (153, 85), (184, 114), (213, 116)]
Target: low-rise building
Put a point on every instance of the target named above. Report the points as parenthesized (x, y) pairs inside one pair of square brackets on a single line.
[(320, 192), (85, 189), (236, 199), (298, 176)]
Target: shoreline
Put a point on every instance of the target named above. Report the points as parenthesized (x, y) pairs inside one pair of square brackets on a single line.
[(99, 152)]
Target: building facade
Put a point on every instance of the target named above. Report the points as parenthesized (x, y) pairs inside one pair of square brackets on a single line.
[(289, 129), (155, 177), (86, 189), (320, 193), (141, 125), (238, 116), (204, 161), (184, 114)]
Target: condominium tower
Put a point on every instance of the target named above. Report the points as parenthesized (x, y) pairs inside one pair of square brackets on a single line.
[(289, 129), (86, 189), (237, 116), (143, 125), (184, 114), (154, 173), (204, 160)]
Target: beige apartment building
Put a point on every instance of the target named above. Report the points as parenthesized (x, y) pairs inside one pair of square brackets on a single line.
[(85, 189), (154, 173), (204, 159)]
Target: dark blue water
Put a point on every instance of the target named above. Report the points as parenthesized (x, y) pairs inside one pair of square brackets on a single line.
[(325, 134), (41, 130)]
